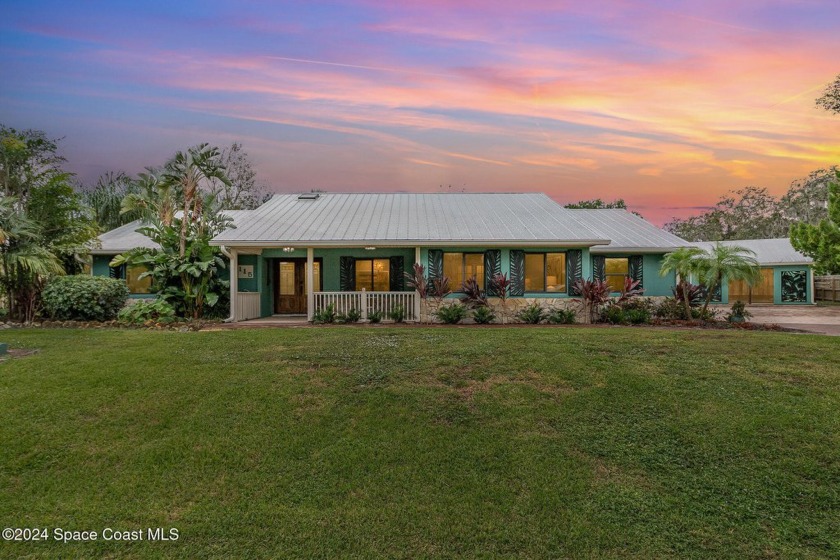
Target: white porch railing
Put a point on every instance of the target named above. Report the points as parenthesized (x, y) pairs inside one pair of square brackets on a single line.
[(366, 302), (247, 306)]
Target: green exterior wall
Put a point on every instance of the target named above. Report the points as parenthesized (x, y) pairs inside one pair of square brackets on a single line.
[(655, 285)]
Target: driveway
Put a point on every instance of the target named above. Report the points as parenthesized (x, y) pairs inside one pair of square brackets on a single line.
[(822, 320)]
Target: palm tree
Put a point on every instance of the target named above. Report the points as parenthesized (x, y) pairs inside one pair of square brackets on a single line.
[(684, 262), (188, 170), (726, 262), (24, 263), (152, 199)]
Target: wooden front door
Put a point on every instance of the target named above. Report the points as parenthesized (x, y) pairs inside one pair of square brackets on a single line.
[(290, 285), (762, 292)]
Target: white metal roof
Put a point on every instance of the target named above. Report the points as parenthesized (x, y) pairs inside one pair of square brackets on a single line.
[(768, 252), (628, 232), (409, 219), (125, 238)]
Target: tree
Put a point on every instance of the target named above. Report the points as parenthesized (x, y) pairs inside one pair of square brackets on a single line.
[(185, 268), (27, 159), (188, 171), (726, 262), (821, 242), (242, 191), (105, 200), (26, 263), (597, 203), (830, 99), (685, 262)]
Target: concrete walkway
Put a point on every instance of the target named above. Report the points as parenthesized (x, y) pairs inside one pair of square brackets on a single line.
[(822, 320)]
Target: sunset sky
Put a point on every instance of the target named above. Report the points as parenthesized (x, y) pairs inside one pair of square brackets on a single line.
[(667, 104)]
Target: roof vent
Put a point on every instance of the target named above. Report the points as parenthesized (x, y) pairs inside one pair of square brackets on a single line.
[(309, 196)]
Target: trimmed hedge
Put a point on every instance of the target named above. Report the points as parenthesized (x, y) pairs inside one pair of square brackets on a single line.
[(84, 298)]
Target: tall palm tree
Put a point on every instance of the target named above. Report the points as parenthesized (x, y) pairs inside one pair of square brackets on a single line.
[(153, 200), (187, 171), (685, 262), (726, 262)]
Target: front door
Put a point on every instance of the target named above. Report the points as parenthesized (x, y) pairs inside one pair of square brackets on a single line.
[(290, 285)]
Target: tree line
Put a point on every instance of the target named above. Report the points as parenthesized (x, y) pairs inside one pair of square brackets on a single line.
[(49, 221)]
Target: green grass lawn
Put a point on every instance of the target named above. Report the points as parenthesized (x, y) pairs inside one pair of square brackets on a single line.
[(420, 442)]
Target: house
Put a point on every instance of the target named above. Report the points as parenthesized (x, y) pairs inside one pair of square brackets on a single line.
[(355, 248), (786, 275)]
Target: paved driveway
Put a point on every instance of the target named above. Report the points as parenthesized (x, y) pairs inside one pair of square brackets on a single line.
[(824, 320)]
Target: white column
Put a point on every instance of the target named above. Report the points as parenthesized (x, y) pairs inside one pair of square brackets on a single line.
[(234, 283), (417, 308), (310, 282)]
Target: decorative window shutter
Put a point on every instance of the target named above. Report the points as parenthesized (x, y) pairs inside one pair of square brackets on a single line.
[(117, 272), (794, 286), (347, 274), (637, 269), (435, 264), (492, 266), (574, 269), (517, 273), (599, 267), (397, 273)]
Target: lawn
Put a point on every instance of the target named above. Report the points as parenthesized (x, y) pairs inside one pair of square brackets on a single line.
[(417, 442)]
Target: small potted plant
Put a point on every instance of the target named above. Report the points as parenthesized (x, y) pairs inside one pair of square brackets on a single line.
[(739, 313)]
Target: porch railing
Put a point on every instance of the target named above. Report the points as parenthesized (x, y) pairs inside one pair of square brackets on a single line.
[(367, 302), (247, 306)]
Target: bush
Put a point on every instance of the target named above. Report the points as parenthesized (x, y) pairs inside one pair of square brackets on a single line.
[(397, 314), (534, 314), (561, 317), (325, 315), (613, 315), (352, 316), (84, 298), (670, 309), (375, 316), (483, 315), (738, 313), (451, 314), (147, 310)]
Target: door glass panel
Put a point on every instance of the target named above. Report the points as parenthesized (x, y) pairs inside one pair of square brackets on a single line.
[(364, 274), (316, 275), (287, 278)]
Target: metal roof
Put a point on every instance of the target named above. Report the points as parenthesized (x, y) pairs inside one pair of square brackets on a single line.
[(409, 219), (125, 238), (628, 232), (768, 252)]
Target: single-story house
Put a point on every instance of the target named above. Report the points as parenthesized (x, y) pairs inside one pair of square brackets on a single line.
[(355, 248), (786, 275)]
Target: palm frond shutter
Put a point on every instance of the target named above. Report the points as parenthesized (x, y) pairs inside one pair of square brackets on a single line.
[(492, 266), (347, 274), (435, 264), (574, 269), (396, 270), (636, 269), (599, 267), (794, 286), (517, 273), (117, 272)]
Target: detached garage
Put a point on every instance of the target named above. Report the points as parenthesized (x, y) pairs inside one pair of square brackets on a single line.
[(786, 275)]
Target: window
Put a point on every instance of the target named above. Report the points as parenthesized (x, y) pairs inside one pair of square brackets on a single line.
[(130, 274), (615, 271), (373, 275), (461, 266), (545, 272)]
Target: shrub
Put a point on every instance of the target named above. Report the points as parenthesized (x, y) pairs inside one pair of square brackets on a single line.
[(375, 316), (637, 316), (325, 315), (613, 315), (561, 317), (147, 310), (483, 315), (738, 313), (352, 316), (670, 309), (84, 298), (595, 293), (451, 314), (534, 314), (397, 314), (473, 296)]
